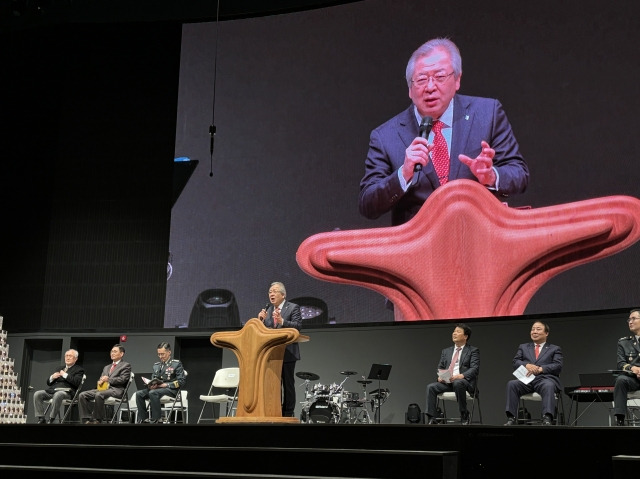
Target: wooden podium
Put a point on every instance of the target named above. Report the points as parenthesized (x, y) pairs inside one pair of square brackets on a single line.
[(260, 351)]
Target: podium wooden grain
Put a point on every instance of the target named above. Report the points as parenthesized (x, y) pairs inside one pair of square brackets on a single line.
[(260, 351)]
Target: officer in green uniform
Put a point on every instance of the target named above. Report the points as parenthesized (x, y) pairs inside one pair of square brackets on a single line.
[(168, 376), (628, 354)]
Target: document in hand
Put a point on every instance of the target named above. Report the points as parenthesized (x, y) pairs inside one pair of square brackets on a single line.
[(445, 375), (521, 374), (152, 382)]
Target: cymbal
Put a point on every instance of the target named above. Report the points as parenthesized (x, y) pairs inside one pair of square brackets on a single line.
[(308, 376), (364, 381), (348, 373)]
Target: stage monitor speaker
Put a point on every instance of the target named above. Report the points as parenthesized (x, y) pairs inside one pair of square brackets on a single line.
[(413, 415), (215, 308), (314, 311)]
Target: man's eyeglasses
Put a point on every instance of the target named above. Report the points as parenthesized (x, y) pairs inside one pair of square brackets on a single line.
[(631, 320), (423, 80)]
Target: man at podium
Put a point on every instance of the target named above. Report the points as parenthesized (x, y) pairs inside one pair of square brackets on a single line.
[(280, 313)]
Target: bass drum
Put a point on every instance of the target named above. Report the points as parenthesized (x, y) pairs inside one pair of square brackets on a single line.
[(323, 412)]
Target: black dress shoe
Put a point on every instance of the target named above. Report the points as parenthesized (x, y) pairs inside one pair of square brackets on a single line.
[(466, 419), (433, 420), (510, 421), (145, 421), (42, 421), (619, 420), (50, 420), (547, 420)]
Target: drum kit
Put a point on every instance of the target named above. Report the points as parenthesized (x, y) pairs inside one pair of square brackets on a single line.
[(333, 404)]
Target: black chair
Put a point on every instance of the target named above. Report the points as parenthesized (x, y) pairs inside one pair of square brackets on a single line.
[(116, 403), (67, 403)]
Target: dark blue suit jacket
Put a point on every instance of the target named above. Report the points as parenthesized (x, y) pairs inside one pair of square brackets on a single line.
[(550, 360), (292, 318), (474, 119)]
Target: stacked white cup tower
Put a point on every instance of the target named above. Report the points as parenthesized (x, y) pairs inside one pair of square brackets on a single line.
[(11, 405)]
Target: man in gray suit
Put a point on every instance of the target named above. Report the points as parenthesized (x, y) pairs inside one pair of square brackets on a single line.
[(112, 383), (471, 135), (280, 313)]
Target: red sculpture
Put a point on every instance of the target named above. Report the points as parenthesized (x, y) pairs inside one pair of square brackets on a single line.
[(466, 254)]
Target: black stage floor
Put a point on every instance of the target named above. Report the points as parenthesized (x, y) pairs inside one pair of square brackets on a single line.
[(319, 451)]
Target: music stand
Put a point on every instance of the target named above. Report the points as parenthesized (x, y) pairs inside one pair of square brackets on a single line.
[(381, 373)]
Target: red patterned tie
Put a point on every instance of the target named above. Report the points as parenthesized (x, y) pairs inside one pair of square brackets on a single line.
[(537, 350), (113, 366), (440, 153), (455, 360)]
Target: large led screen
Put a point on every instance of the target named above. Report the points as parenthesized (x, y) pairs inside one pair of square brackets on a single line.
[(294, 98)]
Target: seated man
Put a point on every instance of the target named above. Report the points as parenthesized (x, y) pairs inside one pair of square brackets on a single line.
[(457, 371), (61, 385), (542, 360), (168, 376), (112, 383), (628, 358)]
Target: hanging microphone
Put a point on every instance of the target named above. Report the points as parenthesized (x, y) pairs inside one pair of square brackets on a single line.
[(425, 129)]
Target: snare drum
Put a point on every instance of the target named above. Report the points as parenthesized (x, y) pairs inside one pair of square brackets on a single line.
[(349, 396), (323, 412)]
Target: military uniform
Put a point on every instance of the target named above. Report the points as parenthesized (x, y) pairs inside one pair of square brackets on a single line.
[(628, 356), (172, 374)]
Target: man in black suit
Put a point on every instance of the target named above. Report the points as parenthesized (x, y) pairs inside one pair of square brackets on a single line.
[(458, 371), (543, 361), (112, 383), (61, 385), (284, 314)]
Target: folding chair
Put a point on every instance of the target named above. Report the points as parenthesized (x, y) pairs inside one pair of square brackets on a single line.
[(172, 406), (227, 379), (474, 398), (169, 406), (535, 397), (116, 403), (67, 403)]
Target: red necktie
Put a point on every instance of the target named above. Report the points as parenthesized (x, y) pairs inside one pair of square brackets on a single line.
[(113, 366), (275, 311), (440, 153), (455, 360), (537, 350)]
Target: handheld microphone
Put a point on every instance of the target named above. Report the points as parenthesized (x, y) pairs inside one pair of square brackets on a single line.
[(425, 129), (267, 306)]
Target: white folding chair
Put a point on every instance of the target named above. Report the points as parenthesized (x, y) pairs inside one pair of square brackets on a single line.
[(227, 379), (449, 396), (535, 397), (172, 406)]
